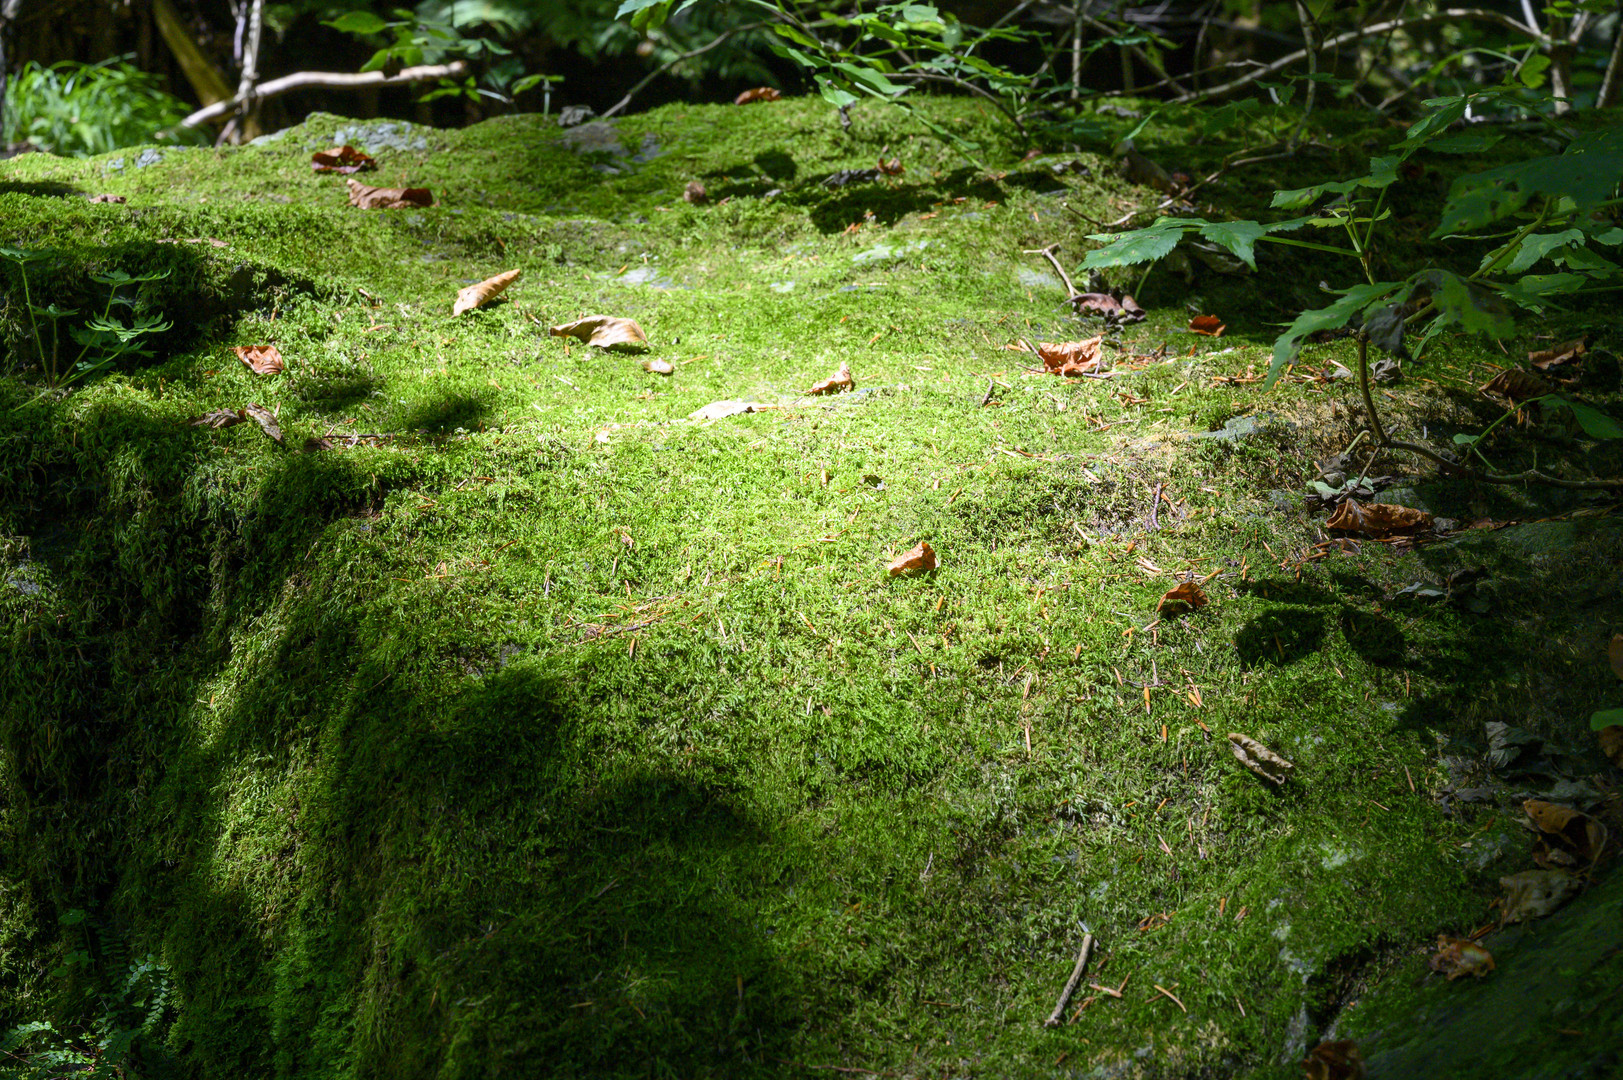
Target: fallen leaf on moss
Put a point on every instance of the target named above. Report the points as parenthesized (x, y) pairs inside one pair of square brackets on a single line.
[(373, 198), (834, 384), (1611, 743), (918, 559), (266, 421), (219, 418), (1259, 759), (891, 167), (1377, 519), (108, 198), (484, 292), (1338, 1060), (1071, 357), (1559, 355), (1515, 385), (261, 359), (659, 367), (341, 159), (1124, 310), (1567, 837), (605, 332), (1460, 956), (1210, 325), (1188, 595), (1533, 894), (760, 93), (694, 193)]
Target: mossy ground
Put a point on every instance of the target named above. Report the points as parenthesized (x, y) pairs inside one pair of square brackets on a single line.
[(555, 733)]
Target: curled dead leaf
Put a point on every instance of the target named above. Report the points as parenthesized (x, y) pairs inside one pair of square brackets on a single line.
[(1460, 956), (916, 560), (834, 384), (1611, 743), (1559, 355), (1568, 837), (484, 292), (341, 159), (659, 367), (1377, 519), (759, 93), (266, 421), (1259, 759), (219, 418), (1122, 310), (1515, 385), (108, 198), (1533, 894), (1339, 1060), (1210, 325), (261, 359), (372, 198), (604, 332), (695, 193), (1071, 357), (891, 166), (1187, 595)]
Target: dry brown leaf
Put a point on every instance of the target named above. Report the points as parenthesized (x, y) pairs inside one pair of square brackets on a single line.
[(1210, 325), (1532, 894), (108, 198), (1340, 1060), (605, 332), (694, 193), (261, 359), (1565, 832), (1071, 357), (315, 444), (1611, 743), (919, 559), (1259, 759), (760, 93), (659, 367), (219, 418), (1559, 355), (1189, 595), (834, 384), (891, 166), (373, 198), (1516, 385), (341, 159), (484, 292), (1614, 653), (1377, 519), (1125, 309), (1460, 956), (266, 421)]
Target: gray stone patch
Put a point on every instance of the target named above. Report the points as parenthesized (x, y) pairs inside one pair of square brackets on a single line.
[(115, 165), (385, 135), (1235, 428), (265, 140), (646, 275), (149, 156), (601, 139)]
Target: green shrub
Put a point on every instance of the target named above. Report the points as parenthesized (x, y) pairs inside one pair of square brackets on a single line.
[(77, 110)]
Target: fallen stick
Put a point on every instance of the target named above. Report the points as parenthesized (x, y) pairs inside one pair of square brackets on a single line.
[(332, 80), (1071, 985)]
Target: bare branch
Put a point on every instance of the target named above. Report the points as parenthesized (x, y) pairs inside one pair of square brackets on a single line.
[(332, 80)]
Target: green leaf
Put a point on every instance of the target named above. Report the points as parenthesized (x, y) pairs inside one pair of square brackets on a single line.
[(1535, 247), (1239, 237), (1584, 176), (835, 95), (1596, 424), (1466, 304), (870, 79), (1533, 71), (357, 22), (1139, 245), (1289, 344), (1465, 144), (1383, 172), (1606, 718)]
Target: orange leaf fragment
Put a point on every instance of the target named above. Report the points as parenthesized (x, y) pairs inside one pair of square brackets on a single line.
[(1071, 357), (1210, 325), (760, 93), (695, 193), (1516, 385), (1377, 519), (919, 559), (373, 198), (1567, 837), (484, 292), (1189, 595), (261, 359), (1338, 1060), (1460, 956), (341, 159), (891, 166), (605, 332), (839, 381)]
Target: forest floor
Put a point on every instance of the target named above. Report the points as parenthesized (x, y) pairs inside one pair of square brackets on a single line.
[(511, 715)]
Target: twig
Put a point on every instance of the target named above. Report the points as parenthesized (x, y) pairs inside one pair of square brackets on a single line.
[(991, 385), (1170, 995), (1048, 253), (1071, 985), (1155, 505), (333, 80), (1608, 82)]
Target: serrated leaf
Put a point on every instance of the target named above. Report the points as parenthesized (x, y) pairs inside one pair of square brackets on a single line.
[(1537, 246), (1139, 245), (1466, 305), (1356, 299), (1585, 173), (1239, 237)]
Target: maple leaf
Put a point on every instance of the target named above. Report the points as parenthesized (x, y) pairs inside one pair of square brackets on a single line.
[(1210, 325)]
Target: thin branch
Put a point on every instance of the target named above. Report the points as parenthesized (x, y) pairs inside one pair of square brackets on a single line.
[(333, 80), (668, 65), (1608, 83), (1075, 980), (1373, 30)]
